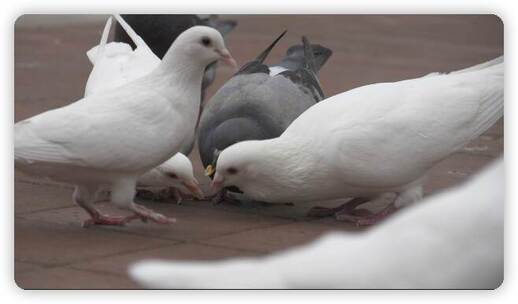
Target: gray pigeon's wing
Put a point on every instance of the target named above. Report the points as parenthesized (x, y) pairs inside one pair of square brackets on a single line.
[(228, 133), (306, 81), (306, 77), (249, 107), (257, 65)]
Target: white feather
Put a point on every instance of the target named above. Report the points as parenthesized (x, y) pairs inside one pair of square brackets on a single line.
[(116, 64), (453, 240), (113, 136), (373, 139)]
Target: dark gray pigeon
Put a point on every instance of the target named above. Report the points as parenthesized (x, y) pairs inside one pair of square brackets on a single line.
[(260, 101)]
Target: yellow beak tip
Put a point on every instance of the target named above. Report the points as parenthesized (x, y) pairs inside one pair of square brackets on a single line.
[(209, 170)]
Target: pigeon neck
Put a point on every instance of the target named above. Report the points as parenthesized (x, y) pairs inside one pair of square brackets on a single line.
[(283, 165), (181, 68), (292, 64)]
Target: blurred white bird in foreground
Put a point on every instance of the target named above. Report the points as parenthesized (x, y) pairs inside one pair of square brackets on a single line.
[(115, 64), (453, 240), (368, 142), (112, 137)]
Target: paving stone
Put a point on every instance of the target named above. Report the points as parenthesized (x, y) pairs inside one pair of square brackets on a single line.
[(454, 170), (276, 238), (66, 278), (20, 267), (30, 197), (369, 49), (53, 244), (119, 264), (192, 223)]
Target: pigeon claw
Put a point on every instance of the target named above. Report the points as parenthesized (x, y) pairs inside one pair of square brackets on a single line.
[(106, 220), (365, 220), (146, 214)]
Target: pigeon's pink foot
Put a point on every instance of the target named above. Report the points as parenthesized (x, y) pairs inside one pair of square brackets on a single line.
[(147, 214), (366, 220), (345, 208), (100, 219)]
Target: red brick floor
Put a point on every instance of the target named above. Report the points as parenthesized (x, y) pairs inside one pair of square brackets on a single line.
[(53, 251)]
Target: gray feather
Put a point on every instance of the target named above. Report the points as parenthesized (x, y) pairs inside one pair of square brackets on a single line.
[(257, 65), (256, 105)]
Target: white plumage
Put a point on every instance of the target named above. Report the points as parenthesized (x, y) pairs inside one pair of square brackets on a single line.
[(453, 240), (115, 64), (368, 141), (111, 137)]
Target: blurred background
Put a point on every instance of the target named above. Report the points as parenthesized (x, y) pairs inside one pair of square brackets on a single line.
[(51, 69)]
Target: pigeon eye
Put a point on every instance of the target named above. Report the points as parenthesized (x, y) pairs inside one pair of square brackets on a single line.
[(205, 41), (231, 170), (172, 175)]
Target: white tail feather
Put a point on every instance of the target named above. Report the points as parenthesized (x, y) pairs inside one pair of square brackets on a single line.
[(139, 42), (481, 66), (477, 67), (104, 39), (492, 105)]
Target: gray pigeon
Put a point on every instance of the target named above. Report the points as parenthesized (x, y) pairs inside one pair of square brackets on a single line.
[(260, 101)]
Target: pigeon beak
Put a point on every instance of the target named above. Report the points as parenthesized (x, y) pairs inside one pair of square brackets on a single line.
[(194, 187), (217, 183), (209, 170), (226, 58)]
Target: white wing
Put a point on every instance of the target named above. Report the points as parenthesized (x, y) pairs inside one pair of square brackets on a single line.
[(388, 134), (453, 240), (110, 131)]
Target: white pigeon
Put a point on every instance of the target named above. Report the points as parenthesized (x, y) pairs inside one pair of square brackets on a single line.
[(115, 64), (176, 173), (453, 240), (368, 142), (112, 137)]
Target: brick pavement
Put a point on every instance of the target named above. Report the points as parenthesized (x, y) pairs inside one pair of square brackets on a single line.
[(53, 251)]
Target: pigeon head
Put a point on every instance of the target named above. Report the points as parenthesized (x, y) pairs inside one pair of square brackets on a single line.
[(264, 169), (202, 43), (295, 56), (242, 165), (177, 172), (231, 166)]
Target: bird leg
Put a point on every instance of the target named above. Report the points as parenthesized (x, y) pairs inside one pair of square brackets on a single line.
[(366, 220), (84, 198), (409, 195), (348, 207), (101, 219), (144, 214), (123, 191)]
